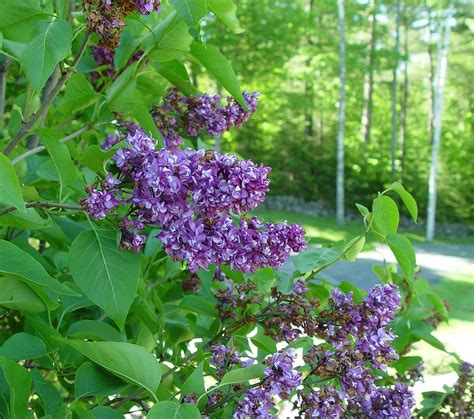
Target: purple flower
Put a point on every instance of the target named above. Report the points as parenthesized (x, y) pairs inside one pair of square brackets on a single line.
[(299, 287), (281, 376), (193, 196), (192, 115), (396, 402), (224, 357), (256, 404), (109, 142), (145, 7), (326, 402), (100, 203)]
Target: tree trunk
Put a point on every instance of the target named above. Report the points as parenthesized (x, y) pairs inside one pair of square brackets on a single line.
[(431, 75), (366, 120), (404, 103), (440, 81), (341, 116), (393, 149)]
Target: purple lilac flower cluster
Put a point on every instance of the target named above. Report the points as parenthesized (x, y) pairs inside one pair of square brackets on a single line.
[(281, 378), (192, 115), (361, 343), (106, 17), (223, 357), (366, 322), (193, 196)]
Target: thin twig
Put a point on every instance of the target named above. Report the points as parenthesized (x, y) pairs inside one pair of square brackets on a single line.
[(28, 125), (40, 148), (44, 205)]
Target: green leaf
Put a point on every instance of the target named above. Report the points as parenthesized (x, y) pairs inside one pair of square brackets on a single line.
[(29, 220), (17, 18), (95, 158), (106, 275), (355, 246), (423, 330), (106, 412), (284, 281), (242, 375), (198, 304), (18, 381), (23, 346), (407, 199), (10, 190), (386, 216), (170, 35), (421, 286), (130, 39), (50, 44), (218, 66), (439, 306), (364, 211), (122, 87), (175, 72), (95, 330), (51, 398), (60, 156), (317, 258), (192, 11), (401, 328), (225, 10), (195, 382), (406, 363), (18, 263), (79, 95), (17, 295), (174, 410), (129, 362), (404, 253), (145, 120), (92, 381)]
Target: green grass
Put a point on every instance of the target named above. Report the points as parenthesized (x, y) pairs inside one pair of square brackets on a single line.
[(325, 229)]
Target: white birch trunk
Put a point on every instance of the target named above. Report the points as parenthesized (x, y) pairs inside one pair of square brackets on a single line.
[(341, 118), (440, 81)]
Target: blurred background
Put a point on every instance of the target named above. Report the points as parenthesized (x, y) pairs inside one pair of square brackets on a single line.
[(408, 87)]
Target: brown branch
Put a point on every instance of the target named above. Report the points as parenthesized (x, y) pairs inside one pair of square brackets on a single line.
[(28, 125)]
